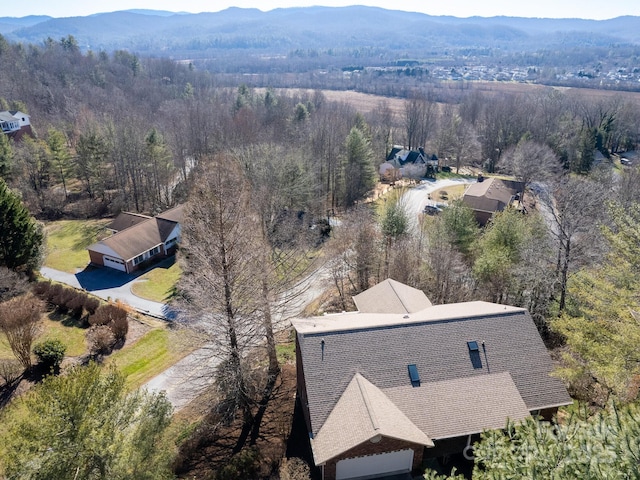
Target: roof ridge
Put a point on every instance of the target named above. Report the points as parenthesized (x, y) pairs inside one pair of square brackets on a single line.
[(367, 403), (397, 295)]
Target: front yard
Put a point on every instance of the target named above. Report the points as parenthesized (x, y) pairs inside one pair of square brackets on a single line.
[(158, 284)]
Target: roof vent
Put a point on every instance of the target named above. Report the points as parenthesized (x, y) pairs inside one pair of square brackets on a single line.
[(414, 375), (473, 346)]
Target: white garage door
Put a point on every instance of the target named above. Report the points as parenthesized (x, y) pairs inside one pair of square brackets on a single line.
[(375, 465), (113, 263)]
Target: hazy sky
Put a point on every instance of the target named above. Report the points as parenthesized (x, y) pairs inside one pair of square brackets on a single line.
[(594, 9)]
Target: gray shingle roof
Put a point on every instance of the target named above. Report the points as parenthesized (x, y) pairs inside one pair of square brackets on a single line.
[(462, 406), (380, 347), (125, 220), (491, 195), (142, 236)]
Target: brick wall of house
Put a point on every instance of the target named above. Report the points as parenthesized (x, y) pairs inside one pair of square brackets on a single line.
[(96, 258), (383, 446)]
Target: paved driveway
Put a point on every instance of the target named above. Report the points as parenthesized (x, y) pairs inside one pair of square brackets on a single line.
[(110, 284)]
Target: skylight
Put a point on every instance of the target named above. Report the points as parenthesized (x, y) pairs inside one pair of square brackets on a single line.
[(474, 354), (414, 375)]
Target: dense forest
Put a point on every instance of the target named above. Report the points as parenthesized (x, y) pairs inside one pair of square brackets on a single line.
[(117, 131)]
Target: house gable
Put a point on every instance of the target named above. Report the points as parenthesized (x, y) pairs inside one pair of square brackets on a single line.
[(390, 296), (363, 413)]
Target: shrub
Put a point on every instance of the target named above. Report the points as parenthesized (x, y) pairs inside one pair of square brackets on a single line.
[(107, 314), (91, 305), (50, 353), (12, 284), (242, 465), (101, 340), (120, 327), (66, 296), (76, 304), (53, 294), (20, 321), (41, 289), (114, 317), (294, 469)]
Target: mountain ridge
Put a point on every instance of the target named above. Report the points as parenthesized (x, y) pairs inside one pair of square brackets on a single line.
[(284, 29)]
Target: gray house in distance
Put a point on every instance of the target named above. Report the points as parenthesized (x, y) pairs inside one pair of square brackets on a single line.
[(382, 391)]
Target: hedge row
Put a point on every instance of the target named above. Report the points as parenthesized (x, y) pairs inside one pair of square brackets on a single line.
[(66, 300)]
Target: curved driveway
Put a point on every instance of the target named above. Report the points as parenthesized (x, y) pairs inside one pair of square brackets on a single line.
[(109, 284)]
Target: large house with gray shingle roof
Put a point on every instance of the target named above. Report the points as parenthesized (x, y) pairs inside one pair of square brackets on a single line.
[(382, 391), (138, 240)]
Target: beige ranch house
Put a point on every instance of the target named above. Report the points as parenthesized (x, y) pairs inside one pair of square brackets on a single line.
[(137, 240)]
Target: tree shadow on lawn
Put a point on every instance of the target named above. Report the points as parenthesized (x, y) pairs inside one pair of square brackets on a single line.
[(23, 383)]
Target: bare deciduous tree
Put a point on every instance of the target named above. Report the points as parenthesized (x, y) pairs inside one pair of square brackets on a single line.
[(20, 321), (574, 206), (530, 161)]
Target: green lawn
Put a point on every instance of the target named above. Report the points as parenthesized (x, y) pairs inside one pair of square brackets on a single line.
[(66, 330), (158, 284), (67, 241), (152, 354)]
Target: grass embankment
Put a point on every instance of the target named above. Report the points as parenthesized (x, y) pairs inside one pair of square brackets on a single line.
[(447, 194), (158, 284), (152, 354), (67, 241), (69, 331)]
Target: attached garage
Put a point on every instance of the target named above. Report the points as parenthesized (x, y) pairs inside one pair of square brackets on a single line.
[(114, 263), (372, 466)]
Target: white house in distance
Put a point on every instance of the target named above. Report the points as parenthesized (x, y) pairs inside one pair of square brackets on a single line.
[(15, 123), (138, 240)]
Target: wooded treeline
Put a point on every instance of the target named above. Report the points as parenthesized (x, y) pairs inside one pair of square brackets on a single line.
[(118, 131)]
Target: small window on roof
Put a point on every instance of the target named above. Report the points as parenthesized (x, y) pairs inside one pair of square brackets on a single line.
[(473, 346), (414, 375)]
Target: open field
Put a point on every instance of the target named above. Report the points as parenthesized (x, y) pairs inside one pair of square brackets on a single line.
[(367, 103), (67, 241)]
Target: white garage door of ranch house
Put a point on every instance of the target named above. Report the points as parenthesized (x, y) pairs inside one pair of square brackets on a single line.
[(373, 466), (113, 263)]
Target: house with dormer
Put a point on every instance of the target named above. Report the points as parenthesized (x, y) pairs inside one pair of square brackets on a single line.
[(406, 163), (401, 380)]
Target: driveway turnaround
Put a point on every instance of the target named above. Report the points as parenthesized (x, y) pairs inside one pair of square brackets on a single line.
[(110, 284)]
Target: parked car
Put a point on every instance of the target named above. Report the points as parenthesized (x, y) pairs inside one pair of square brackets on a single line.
[(432, 210), (625, 161)]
